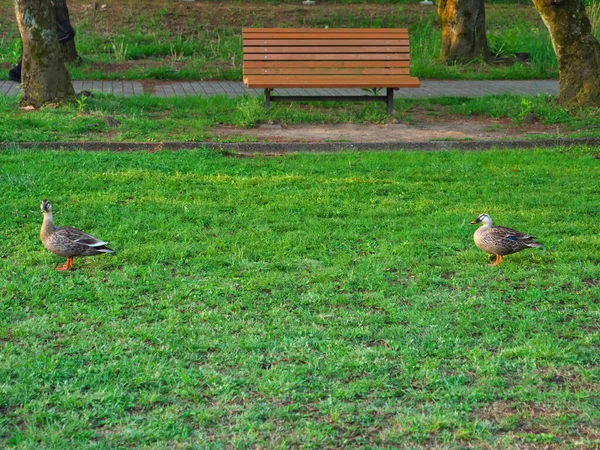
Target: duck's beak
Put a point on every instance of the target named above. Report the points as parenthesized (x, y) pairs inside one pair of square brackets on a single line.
[(475, 222)]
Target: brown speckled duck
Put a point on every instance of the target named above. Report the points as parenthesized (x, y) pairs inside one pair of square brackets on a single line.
[(66, 241), (500, 241)]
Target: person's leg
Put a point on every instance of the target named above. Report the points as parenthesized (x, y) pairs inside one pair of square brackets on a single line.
[(65, 31), (14, 74)]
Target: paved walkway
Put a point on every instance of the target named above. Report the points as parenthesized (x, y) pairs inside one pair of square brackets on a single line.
[(429, 88)]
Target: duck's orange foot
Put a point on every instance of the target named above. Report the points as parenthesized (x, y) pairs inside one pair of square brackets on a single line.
[(66, 266), (497, 261)]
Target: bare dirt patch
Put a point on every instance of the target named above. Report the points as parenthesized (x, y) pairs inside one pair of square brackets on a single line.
[(459, 129), (534, 418)]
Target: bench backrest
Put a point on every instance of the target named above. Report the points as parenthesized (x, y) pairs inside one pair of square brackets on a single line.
[(326, 51)]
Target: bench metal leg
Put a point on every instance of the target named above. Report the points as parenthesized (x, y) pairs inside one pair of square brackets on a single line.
[(390, 101), (267, 99), (388, 98)]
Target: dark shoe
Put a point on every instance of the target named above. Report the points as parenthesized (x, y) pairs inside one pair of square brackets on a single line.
[(13, 75)]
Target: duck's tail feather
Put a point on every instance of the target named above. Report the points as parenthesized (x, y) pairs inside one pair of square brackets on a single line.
[(533, 244)]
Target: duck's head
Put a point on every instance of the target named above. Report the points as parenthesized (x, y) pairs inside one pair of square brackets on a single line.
[(483, 218), (46, 206)]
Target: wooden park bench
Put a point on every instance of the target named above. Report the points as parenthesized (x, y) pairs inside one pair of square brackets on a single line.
[(328, 58)]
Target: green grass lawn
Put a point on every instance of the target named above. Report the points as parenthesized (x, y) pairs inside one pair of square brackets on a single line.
[(162, 39), (165, 39), (324, 301), (193, 119)]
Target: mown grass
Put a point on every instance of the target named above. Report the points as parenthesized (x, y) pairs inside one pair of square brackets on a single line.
[(322, 301), (145, 118), (173, 40)]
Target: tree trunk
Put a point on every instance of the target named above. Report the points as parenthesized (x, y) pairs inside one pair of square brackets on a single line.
[(44, 77), (463, 30), (69, 50), (576, 48)]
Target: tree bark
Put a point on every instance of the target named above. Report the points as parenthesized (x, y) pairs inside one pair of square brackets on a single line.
[(69, 50), (463, 30), (576, 48), (44, 77)]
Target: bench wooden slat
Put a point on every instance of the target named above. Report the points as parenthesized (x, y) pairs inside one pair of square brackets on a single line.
[(313, 30), (328, 57), (324, 64), (337, 35), (326, 71), (326, 33), (325, 49), (317, 42), (333, 81)]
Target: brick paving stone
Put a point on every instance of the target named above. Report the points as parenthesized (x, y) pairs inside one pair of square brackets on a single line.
[(117, 88), (235, 86), (138, 89), (159, 91), (169, 90), (222, 88), (208, 88), (9, 88), (179, 91), (14, 89), (197, 87), (187, 89), (127, 89), (212, 88), (5, 87), (87, 85), (190, 88)]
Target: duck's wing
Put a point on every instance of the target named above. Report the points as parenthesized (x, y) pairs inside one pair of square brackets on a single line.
[(79, 237), (512, 235)]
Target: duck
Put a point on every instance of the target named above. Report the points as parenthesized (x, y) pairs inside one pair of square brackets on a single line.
[(67, 241), (500, 241)]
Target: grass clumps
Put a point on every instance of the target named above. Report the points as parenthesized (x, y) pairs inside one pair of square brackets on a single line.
[(307, 300), (179, 40), (194, 119)]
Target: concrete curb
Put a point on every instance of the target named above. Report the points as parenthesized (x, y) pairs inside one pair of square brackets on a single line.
[(249, 148)]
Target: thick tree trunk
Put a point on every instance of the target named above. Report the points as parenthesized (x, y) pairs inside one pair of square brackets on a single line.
[(44, 77), (69, 50), (577, 50), (463, 30)]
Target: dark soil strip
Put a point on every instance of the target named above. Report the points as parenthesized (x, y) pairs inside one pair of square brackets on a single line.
[(294, 147)]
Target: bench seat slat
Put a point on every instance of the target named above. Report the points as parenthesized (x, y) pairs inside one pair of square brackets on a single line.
[(324, 64), (329, 57), (333, 42), (326, 81), (337, 35), (305, 33), (325, 49), (326, 71), (312, 30)]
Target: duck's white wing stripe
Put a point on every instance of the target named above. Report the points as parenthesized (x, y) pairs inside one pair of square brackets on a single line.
[(90, 242)]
